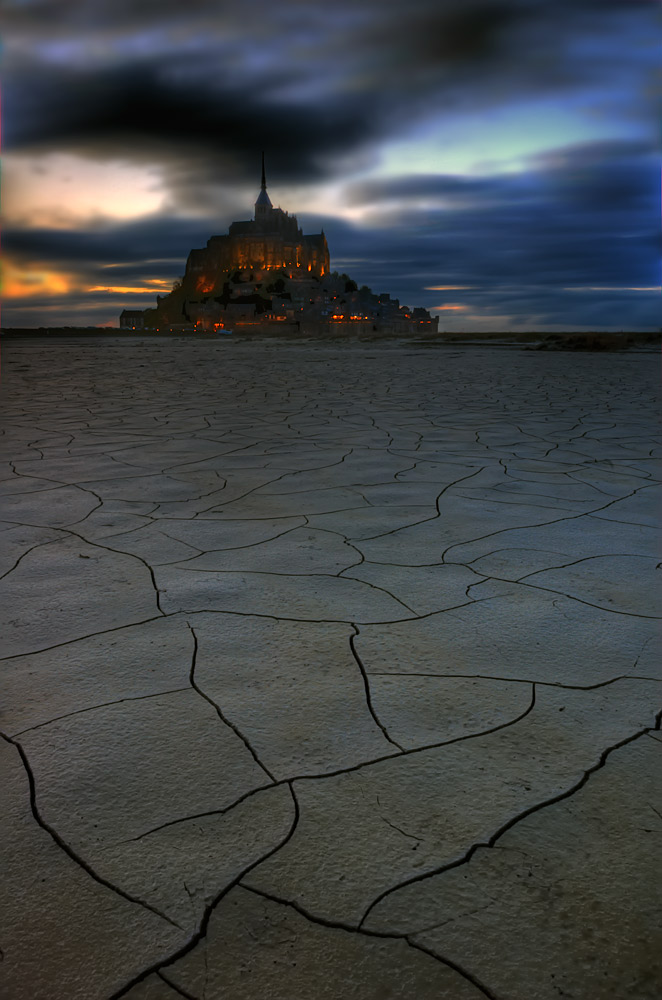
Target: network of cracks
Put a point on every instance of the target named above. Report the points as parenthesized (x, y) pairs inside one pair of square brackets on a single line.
[(329, 672)]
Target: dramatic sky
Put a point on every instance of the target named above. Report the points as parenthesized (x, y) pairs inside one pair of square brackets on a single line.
[(492, 159)]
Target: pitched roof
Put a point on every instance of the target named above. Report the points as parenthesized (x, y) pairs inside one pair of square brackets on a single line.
[(263, 198)]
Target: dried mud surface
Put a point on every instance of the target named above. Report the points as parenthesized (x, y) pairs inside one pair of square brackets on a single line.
[(329, 671)]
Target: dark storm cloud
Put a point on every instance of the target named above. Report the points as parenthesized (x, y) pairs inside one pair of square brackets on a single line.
[(473, 31), (416, 186), (306, 81), (600, 177), (141, 112), (529, 244), (152, 238)]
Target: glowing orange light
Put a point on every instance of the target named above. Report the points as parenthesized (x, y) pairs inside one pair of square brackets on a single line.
[(23, 283), (121, 289)]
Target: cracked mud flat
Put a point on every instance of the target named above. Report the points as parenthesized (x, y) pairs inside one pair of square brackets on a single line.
[(329, 672)]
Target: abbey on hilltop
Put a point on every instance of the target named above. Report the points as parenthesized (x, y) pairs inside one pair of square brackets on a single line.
[(270, 242), (265, 276)]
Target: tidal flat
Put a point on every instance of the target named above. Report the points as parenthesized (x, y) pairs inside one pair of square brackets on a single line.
[(329, 671)]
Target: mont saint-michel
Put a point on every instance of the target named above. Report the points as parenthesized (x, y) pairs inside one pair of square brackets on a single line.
[(266, 276)]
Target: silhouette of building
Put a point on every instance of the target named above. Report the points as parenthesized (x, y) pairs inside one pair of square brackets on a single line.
[(265, 276), (132, 319), (271, 241)]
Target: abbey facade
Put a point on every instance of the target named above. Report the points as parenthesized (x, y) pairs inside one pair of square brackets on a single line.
[(272, 241), (266, 277)]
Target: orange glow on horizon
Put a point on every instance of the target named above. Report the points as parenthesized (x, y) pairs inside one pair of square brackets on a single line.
[(36, 282), (148, 289), (451, 306), (19, 283)]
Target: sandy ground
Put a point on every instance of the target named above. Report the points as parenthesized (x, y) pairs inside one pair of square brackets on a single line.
[(329, 671)]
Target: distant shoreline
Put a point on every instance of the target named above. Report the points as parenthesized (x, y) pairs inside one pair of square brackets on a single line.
[(529, 340)]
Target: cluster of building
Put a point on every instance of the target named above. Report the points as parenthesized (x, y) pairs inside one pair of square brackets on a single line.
[(266, 276)]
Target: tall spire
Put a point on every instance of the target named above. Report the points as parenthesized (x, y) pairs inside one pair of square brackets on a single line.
[(263, 204)]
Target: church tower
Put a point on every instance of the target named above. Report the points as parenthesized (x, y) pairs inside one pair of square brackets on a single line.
[(263, 206)]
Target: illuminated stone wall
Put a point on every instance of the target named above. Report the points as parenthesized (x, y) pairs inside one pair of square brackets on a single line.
[(274, 243), (256, 253)]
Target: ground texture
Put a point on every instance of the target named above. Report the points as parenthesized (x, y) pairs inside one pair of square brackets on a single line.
[(329, 673)]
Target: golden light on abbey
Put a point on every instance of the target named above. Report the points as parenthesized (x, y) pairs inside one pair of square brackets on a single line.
[(271, 241), (266, 274)]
